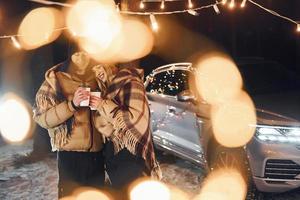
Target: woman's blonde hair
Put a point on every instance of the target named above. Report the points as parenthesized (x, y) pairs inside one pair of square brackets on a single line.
[(111, 71)]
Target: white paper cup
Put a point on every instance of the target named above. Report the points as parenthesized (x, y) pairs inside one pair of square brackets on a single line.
[(97, 94), (86, 103)]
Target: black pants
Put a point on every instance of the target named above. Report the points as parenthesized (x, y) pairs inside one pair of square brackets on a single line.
[(79, 169), (122, 169)]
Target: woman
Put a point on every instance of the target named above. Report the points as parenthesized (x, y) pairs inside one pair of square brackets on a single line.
[(124, 119)]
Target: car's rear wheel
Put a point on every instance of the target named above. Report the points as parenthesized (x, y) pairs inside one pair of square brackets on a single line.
[(220, 157)]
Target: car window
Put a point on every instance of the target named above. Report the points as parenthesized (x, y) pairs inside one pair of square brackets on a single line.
[(267, 78), (170, 82)]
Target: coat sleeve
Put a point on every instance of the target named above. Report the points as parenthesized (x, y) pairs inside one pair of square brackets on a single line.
[(47, 113)]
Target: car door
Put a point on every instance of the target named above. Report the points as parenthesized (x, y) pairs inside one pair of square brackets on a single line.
[(175, 124)]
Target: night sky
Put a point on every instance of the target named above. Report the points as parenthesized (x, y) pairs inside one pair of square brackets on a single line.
[(240, 33)]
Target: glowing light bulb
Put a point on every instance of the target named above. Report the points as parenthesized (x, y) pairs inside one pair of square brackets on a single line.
[(162, 5), (154, 23), (190, 5), (13, 110), (224, 2), (298, 27), (232, 4), (193, 12), (216, 8), (15, 42), (142, 5), (150, 189), (243, 4)]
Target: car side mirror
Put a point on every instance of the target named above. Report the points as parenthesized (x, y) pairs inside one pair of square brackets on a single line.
[(186, 96)]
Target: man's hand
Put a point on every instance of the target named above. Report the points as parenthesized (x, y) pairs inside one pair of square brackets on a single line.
[(80, 95), (95, 101)]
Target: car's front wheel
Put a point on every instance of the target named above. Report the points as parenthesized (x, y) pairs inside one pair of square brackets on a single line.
[(220, 157)]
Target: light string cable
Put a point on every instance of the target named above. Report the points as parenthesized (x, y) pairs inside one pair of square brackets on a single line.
[(45, 2), (18, 35), (190, 10), (273, 12), (171, 12)]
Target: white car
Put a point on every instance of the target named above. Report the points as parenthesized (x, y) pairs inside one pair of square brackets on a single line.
[(180, 124)]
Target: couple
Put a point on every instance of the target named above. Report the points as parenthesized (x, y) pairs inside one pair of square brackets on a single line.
[(112, 134)]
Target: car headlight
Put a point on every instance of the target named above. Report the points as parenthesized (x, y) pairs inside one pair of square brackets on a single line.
[(278, 134)]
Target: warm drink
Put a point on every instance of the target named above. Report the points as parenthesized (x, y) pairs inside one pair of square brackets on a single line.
[(86, 103), (97, 94)]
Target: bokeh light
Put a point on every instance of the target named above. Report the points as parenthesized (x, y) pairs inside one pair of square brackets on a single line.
[(68, 198), (84, 193), (177, 194), (95, 23), (106, 36), (233, 121), (15, 119), (136, 40), (149, 190), (40, 27), (217, 78), (92, 195), (223, 184)]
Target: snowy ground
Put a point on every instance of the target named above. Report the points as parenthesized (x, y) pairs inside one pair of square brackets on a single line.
[(38, 180)]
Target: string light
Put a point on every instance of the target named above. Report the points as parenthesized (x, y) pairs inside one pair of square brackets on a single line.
[(142, 5), (162, 5), (243, 4), (15, 42), (190, 5), (193, 12), (216, 8), (273, 12), (232, 4), (51, 3), (154, 23)]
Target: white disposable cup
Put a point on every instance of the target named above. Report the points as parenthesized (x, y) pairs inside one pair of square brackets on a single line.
[(86, 103), (97, 94)]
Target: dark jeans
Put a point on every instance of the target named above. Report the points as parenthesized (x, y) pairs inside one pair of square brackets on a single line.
[(122, 169), (79, 169)]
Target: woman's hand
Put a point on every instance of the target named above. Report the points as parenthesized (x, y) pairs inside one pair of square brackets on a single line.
[(95, 102), (80, 95)]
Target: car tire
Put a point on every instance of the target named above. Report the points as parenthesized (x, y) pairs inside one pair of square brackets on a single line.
[(220, 157), (253, 193)]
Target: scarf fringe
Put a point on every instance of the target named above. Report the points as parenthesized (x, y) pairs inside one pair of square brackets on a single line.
[(156, 172), (44, 103), (58, 135), (120, 142), (126, 139)]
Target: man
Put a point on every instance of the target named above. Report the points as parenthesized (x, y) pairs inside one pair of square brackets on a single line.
[(125, 122), (70, 126)]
